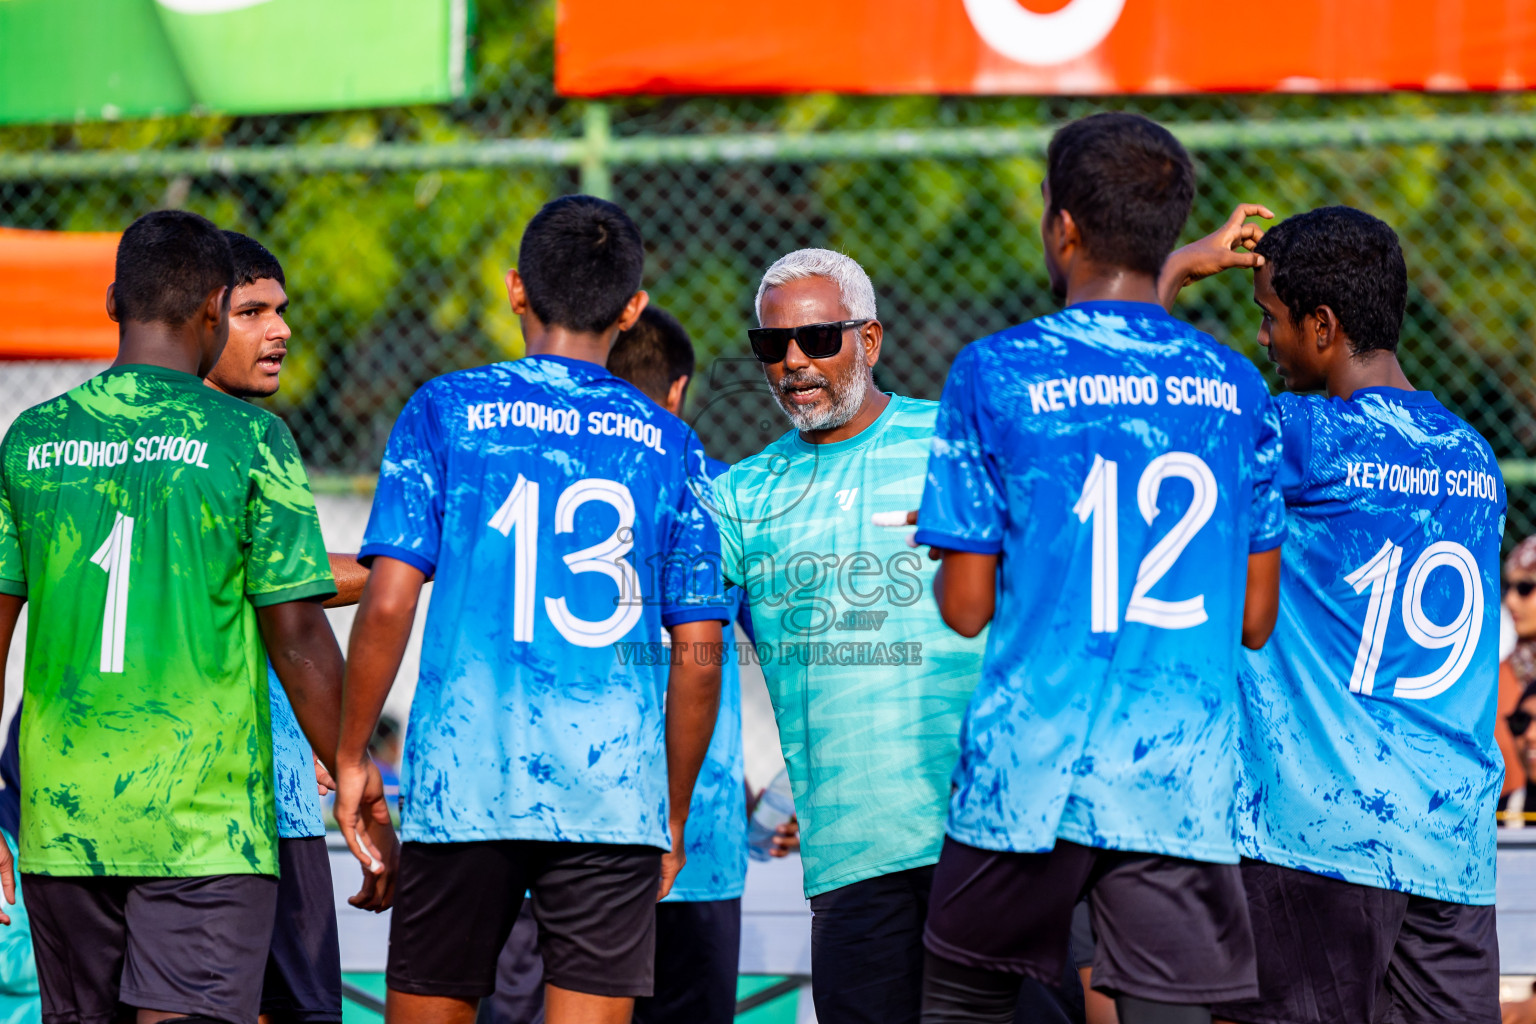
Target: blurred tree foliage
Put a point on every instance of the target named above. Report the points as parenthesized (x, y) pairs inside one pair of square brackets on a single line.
[(397, 276)]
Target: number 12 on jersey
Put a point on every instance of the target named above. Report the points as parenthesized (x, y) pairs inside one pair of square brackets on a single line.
[(1100, 501)]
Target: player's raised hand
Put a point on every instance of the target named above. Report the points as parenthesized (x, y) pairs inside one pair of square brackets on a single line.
[(1229, 246)]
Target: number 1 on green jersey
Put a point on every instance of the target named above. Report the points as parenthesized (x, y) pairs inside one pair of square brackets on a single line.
[(114, 556)]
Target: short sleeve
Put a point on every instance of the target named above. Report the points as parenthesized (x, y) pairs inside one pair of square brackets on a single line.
[(286, 559), (13, 572), (728, 520), (962, 507), (1267, 515), (406, 522), (693, 589)]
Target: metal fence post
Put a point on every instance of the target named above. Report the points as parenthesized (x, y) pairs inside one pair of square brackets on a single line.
[(596, 134)]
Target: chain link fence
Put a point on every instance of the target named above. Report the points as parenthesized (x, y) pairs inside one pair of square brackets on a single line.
[(396, 226)]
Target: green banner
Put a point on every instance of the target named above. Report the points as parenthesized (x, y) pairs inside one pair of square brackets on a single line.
[(86, 60)]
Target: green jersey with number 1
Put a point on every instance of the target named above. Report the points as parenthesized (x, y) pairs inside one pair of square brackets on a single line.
[(144, 516)]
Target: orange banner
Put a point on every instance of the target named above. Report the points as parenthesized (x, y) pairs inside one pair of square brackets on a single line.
[(53, 295), (1041, 46)]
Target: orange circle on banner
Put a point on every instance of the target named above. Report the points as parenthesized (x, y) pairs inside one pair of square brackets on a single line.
[(1043, 6)]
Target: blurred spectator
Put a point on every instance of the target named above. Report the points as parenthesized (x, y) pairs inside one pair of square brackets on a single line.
[(1511, 728), (1520, 599), (1517, 685)]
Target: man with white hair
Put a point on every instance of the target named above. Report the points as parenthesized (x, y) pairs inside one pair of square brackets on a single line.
[(868, 685)]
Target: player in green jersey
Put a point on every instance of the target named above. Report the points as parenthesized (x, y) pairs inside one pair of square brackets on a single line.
[(303, 977), (166, 539)]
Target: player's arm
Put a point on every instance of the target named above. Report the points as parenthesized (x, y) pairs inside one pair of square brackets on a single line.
[(379, 635), (1230, 245), (966, 589), (1261, 604), (307, 660), (10, 612), (350, 576), (693, 702)]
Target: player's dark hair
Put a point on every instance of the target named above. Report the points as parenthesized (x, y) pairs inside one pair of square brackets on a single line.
[(1127, 183), (580, 259), (167, 263), (1344, 259), (653, 354), (252, 260)]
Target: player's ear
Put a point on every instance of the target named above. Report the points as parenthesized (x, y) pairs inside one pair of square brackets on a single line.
[(677, 394), (1326, 328), (112, 302), (517, 295), (216, 306), (632, 310), (870, 336), (1068, 238)]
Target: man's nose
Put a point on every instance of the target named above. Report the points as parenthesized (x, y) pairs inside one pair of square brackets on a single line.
[(280, 331), (794, 359)]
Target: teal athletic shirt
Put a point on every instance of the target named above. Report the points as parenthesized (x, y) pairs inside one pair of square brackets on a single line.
[(868, 685)]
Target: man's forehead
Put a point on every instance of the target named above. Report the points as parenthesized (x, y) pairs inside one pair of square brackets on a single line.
[(264, 291), (814, 297), (1262, 289)]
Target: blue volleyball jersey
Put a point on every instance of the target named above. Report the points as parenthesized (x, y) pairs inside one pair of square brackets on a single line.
[(1367, 739), (293, 769), (559, 509), (1122, 465), (716, 835)]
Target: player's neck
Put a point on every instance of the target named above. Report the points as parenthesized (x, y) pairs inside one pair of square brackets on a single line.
[(569, 344), (159, 344), (1375, 369), (870, 409), (1087, 282)]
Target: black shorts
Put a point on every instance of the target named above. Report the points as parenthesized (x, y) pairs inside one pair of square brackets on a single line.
[(1331, 950), (455, 904), (303, 980), (867, 956), (698, 949), (1169, 929), (184, 945)]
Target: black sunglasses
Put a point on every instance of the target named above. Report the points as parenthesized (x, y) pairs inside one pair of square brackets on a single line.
[(817, 341), (1523, 588), (1519, 722)]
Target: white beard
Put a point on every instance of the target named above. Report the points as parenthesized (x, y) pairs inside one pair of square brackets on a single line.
[(847, 397)]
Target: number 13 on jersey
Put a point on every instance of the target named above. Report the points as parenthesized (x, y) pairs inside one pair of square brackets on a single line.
[(520, 512)]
